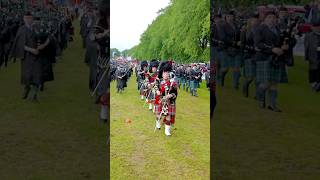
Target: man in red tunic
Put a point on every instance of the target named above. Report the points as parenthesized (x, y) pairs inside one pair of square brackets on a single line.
[(153, 75), (165, 103)]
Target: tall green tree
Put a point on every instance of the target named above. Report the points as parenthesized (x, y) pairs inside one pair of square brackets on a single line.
[(114, 52), (181, 32)]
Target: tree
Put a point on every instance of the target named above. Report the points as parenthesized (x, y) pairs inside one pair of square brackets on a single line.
[(181, 32), (114, 52)]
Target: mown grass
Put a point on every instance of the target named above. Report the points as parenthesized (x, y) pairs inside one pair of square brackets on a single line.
[(250, 143), (59, 138), (137, 152)]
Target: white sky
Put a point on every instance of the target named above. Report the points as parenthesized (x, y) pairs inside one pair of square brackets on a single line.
[(130, 18)]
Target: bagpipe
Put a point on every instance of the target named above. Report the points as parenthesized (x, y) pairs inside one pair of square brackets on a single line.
[(164, 102), (103, 65), (103, 41), (153, 89), (124, 72), (243, 48), (144, 83), (286, 38)]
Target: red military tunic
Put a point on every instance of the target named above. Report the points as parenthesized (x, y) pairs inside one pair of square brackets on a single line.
[(171, 102)]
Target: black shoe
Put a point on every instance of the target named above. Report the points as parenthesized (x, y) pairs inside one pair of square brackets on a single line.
[(274, 109)]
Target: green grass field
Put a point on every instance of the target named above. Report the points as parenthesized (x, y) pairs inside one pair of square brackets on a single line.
[(250, 143), (59, 138), (137, 152)]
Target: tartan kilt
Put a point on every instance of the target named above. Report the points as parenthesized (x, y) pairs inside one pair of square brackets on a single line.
[(142, 90), (230, 61), (171, 113), (279, 75), (249, 68), (151, 96), (171, 109), (236, 61), (157, 109), (266, 73)]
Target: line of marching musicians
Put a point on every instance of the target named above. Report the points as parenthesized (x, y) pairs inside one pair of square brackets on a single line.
[(262, 48), (36, 37), (158, 83), (95, 33)]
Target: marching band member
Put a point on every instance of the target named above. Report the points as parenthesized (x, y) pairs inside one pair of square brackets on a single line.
[(152, 81), (165, 104), (142, 77)]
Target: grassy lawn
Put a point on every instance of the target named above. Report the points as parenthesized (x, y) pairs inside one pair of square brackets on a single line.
[(137, 152), (250, 143), (59, 138)]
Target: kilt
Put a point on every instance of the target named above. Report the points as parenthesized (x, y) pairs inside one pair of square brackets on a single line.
[(157, 109), (171, 113), (142, 90), (249, 69), (236, 61), (266, 73), (171, 109), (151, 96), (230, 61)]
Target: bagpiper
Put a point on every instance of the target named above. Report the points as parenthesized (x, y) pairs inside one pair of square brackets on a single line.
[(143, 80), (152, 82), (165, 100)]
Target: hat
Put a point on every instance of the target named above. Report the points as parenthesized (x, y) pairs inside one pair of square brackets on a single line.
[(165, 66), (144, 63), (154, 63)]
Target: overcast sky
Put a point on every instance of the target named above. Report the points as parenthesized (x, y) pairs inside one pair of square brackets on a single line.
[(130, 18)]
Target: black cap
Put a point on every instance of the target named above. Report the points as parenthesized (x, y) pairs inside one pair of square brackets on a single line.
[(165, 66), (144, 63), (154, 63)]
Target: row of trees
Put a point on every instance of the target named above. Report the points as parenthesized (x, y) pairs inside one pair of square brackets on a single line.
[(181, 32)]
